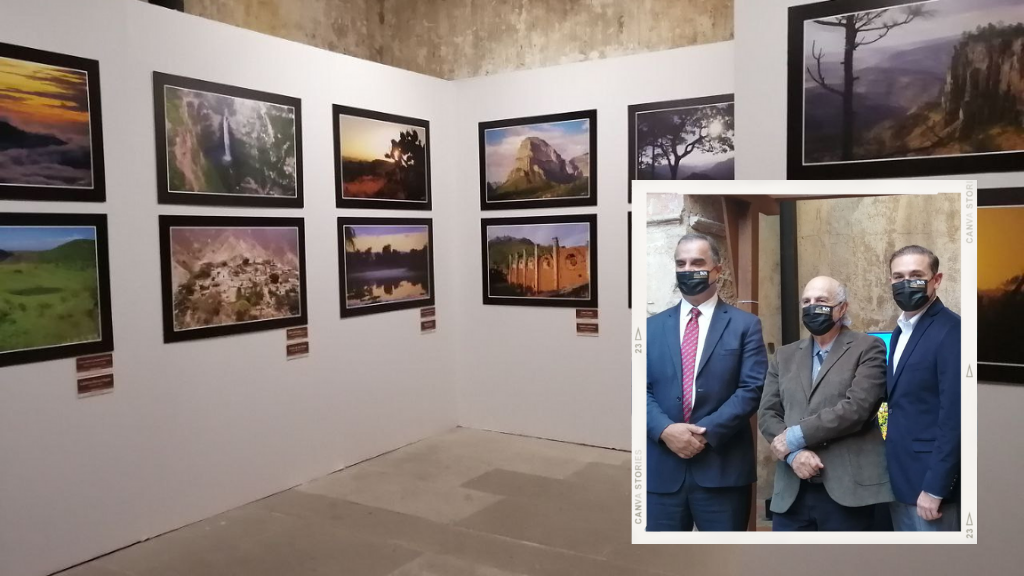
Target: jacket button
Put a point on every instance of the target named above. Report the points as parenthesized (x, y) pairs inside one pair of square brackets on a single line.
[(678, 399)]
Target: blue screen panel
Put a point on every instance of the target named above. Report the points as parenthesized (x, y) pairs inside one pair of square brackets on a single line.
[(885, 336)]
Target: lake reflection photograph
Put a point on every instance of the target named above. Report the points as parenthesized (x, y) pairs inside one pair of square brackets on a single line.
[(386, 264)]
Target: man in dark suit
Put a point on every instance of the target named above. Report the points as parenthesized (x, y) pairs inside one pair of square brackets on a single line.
[(705, 369), (819, 413), (923, 437)]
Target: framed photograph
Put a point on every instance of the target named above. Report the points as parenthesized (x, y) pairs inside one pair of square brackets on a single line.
[(540, 261), (54, 287), (539, 162), (682, 140), (227, 275), (381, 160), (385, 264), (884, 88), (226, 146), (1000, 286), (51, 127)]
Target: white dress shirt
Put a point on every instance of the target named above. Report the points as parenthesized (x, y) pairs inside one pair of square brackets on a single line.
[(703, 323), (906, 329)]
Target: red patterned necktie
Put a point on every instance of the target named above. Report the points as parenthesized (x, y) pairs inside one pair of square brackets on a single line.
[(689, 354)]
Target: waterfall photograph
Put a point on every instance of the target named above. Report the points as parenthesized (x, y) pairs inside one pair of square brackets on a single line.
[(228, 145)]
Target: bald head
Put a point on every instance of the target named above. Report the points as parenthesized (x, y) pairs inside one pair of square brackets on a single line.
[(827, 290)]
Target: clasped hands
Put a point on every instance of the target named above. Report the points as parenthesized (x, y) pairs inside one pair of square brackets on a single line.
[(686, 440), (806, 463)]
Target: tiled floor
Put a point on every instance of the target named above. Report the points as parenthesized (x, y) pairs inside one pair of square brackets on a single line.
[(465, 503)]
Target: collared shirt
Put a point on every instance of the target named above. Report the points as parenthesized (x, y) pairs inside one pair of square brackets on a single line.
[(906, 329), (703, 323), (794, 434)]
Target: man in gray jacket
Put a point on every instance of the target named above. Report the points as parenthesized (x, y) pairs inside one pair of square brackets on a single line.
[(819, 412)]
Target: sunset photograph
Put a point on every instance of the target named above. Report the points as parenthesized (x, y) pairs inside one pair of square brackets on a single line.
[(386, 264), (1000, 285), (46, 133), (381, 157)]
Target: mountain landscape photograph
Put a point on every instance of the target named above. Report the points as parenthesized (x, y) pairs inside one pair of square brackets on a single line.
[(45, 135), (382, 160), (550, 261), (926, 79), (1000, 285), (221, 144), (231, 275), (685, 143), (385, 264), (49, 287), (541, 161)]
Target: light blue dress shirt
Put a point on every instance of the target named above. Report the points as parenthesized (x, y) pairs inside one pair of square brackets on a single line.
[(794, 435)]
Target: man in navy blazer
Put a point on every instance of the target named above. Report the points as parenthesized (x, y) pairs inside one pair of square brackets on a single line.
[(922, 443), (706, 365)]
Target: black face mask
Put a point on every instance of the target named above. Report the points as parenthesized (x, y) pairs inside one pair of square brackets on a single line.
[(818, 318), (911, 295), (693, 282)]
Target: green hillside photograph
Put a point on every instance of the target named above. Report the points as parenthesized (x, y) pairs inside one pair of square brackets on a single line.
[(49, 287)]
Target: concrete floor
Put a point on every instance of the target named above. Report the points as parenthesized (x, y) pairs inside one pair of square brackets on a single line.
[(465, 503)]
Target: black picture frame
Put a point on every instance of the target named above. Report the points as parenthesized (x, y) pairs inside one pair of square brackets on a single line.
[(917, 166), (635, 109), (590, 302), (384, 307), (589, 200), (98, 191), (106, 341), (166, 196), (377, 203), (167, 222), (998, 370), (629, 257)]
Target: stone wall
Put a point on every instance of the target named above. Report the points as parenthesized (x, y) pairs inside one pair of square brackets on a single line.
[(851, 240), (466, 38), (669, 217)]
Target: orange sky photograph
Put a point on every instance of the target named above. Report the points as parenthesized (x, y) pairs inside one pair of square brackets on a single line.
[(40, 98), (999, 254), (46, 135), (367, 139)]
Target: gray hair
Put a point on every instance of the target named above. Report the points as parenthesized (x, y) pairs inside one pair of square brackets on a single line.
[(843, 295), (716, 256)]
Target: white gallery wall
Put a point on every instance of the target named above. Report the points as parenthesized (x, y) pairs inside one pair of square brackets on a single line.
[(523, 369), (761, 52), (196, 428)]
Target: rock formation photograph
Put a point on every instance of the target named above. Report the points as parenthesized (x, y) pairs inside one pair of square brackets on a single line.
[(538, 161), (926, 79)]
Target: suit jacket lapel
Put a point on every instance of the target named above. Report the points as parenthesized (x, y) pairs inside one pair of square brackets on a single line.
[(893, 340), (839, 347), (673, 340), (915, 337), (719, 320), (805, 358)]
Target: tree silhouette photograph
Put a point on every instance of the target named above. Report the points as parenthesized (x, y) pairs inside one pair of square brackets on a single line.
[(683, 140), (381, 157), (925, 79), (1001, 287)]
